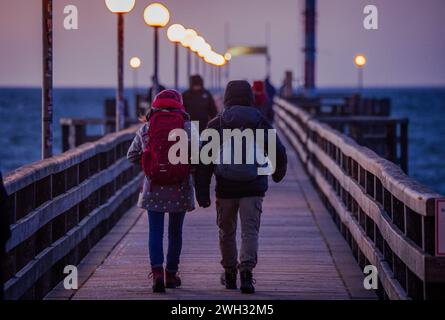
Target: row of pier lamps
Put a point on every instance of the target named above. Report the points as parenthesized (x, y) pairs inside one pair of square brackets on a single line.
[(157, 16)]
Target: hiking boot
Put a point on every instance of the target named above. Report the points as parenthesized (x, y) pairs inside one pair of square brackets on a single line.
[(228, 278), (247, 282), (158, 279), (172, 280)]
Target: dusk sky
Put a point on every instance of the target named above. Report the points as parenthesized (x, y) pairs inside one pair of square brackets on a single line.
[(407, 50)]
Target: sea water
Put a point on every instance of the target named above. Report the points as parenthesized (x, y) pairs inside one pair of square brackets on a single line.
[(20, 117)]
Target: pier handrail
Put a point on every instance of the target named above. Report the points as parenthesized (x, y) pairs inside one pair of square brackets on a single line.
[(387, 217), (61, 206)]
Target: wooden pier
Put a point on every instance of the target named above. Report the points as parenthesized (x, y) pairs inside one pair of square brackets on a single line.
[(77, 208), (302, 255)]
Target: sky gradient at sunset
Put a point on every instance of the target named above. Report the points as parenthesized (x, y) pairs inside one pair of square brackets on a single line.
[(407, 50)]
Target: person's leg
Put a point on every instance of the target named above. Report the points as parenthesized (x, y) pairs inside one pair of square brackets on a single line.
[(226, 219), (175, 223), (155, 238), (250, 217)]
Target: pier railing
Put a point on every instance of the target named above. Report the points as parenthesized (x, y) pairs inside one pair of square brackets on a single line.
[(387, 136), (387, 218), (75, 130), (61, 207)]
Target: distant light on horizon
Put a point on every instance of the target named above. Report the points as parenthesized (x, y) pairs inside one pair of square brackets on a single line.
[(360, 60), (135, 62)]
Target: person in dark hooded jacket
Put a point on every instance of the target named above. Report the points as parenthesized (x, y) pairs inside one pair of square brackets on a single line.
[(199, 103), (243, 196)]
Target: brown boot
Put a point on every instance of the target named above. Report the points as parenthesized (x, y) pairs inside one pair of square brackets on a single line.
[(172, 280), (158, 279)]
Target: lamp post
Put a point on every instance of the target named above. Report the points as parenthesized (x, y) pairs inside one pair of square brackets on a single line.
[(47, 80), (120, 7), (175, 34), (203, 51), (360, 62), (186, 42), (135, 64), (196, 45), (227, 57), (156, 15)]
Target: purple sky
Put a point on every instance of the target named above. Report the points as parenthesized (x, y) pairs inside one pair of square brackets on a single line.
[(407, 50)]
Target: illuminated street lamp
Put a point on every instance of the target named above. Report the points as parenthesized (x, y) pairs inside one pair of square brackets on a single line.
[(196, 44), (175, 34), (135, 64), (186, 42), (120, 7), (202, 52), (360, 62), (156, 15)]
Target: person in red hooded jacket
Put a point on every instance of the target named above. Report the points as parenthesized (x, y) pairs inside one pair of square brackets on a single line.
[(175, 198), (261, 100)]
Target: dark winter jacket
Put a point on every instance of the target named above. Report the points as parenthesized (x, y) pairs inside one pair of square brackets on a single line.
[(241, 117), (199, 104)]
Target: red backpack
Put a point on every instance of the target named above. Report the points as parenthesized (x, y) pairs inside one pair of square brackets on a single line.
[(154, 161)]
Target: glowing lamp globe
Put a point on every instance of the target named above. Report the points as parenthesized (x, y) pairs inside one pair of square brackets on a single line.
[(120, 6), (360, 60), (156, 15), (189, 35), (211, 58), (197, 43), (228, 56), (204, 50), (135, 62), (176, 33), (219, 60)]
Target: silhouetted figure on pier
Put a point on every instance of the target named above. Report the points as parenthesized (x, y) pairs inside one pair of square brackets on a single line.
[(150, 91), (262, 101), (199, 102), (5, 231), (286, 90), (271, 93), (167, 187), (234, 191)]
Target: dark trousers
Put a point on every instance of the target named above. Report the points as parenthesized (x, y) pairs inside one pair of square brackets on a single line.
[(156, 235)]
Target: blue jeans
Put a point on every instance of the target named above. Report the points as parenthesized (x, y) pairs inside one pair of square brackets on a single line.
[(156, 235)]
